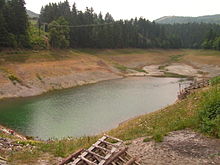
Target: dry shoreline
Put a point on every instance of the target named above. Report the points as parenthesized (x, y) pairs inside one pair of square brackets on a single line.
[(35, 73)]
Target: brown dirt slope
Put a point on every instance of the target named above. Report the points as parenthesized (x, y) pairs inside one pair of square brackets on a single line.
[(30, 73)]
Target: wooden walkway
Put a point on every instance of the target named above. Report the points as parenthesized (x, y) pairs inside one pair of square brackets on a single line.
[(106, 151)]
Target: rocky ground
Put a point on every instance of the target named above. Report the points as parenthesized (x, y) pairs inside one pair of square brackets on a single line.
[(183, 69), (7, 146), (179, 147)]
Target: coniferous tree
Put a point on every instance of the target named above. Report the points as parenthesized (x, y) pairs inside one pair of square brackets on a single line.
[(3, 31), (13, 24)]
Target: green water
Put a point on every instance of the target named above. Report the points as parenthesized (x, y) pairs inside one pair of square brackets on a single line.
[(87, 110)]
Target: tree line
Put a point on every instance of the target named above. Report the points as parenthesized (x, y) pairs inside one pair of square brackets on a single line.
[(137, 32), (13, 24), (68, 27)]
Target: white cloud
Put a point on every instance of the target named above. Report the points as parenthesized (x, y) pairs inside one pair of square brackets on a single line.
[(150, 9)]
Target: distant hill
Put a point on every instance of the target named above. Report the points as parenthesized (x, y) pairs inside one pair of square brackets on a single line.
[(182, 20), (31, 14)]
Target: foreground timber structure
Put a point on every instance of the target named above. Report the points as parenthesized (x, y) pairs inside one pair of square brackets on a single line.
[(106, 151)]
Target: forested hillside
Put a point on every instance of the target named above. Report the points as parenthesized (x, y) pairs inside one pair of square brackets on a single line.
[(62, 26), (184, 20), (105, 32), (32, 15)]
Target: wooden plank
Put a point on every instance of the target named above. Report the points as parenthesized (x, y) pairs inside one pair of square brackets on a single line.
[(70, 158), (102, 148), (114, 145), (93, 153), (108, 156), (115, 156), (121, 159), (88, 161), (111, 137), (131, 161)]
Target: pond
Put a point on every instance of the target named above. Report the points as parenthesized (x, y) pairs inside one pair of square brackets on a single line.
[(89, 109)]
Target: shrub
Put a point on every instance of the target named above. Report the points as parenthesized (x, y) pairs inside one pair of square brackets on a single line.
[(215, 80), (14, 79), (158, 136), (209, 113), (38, 39)]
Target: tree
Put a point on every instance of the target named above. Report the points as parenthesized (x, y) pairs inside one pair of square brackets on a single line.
[(3, 31), (136, 33), (109, 18), (13, 24), (59, 33), (17, 22)]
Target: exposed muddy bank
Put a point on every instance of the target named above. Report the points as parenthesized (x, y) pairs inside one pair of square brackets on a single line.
[(24, 80), (33, 73)]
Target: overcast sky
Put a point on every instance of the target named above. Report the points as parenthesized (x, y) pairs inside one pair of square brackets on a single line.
[(150, 9)]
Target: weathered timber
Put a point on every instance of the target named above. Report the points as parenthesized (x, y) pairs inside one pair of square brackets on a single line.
[(71, 157), (103, 152), (115, 156), (183, 93)]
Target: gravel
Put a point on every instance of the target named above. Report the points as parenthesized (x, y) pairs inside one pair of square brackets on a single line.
[(179, 147)]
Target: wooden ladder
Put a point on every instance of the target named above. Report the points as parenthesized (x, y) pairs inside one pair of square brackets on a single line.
[(106, 151)]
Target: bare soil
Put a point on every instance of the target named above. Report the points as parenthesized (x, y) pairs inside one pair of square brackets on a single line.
[(180, 148), (31, 74)]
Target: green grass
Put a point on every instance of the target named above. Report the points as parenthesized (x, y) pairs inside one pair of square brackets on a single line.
[(120, 67), (139, 70), (215, 80), (63, 148), (25, 157), (124, 69), (14, 79), (147, 139), (209, 112), (163, 67), (36, 56), (174, 75), (11, 76), (176, 58), (202, 52)]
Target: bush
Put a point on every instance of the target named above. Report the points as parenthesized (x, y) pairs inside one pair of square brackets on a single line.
[(38, 39), (14, 79), (59, 33), (209, 114), (215, 80)]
